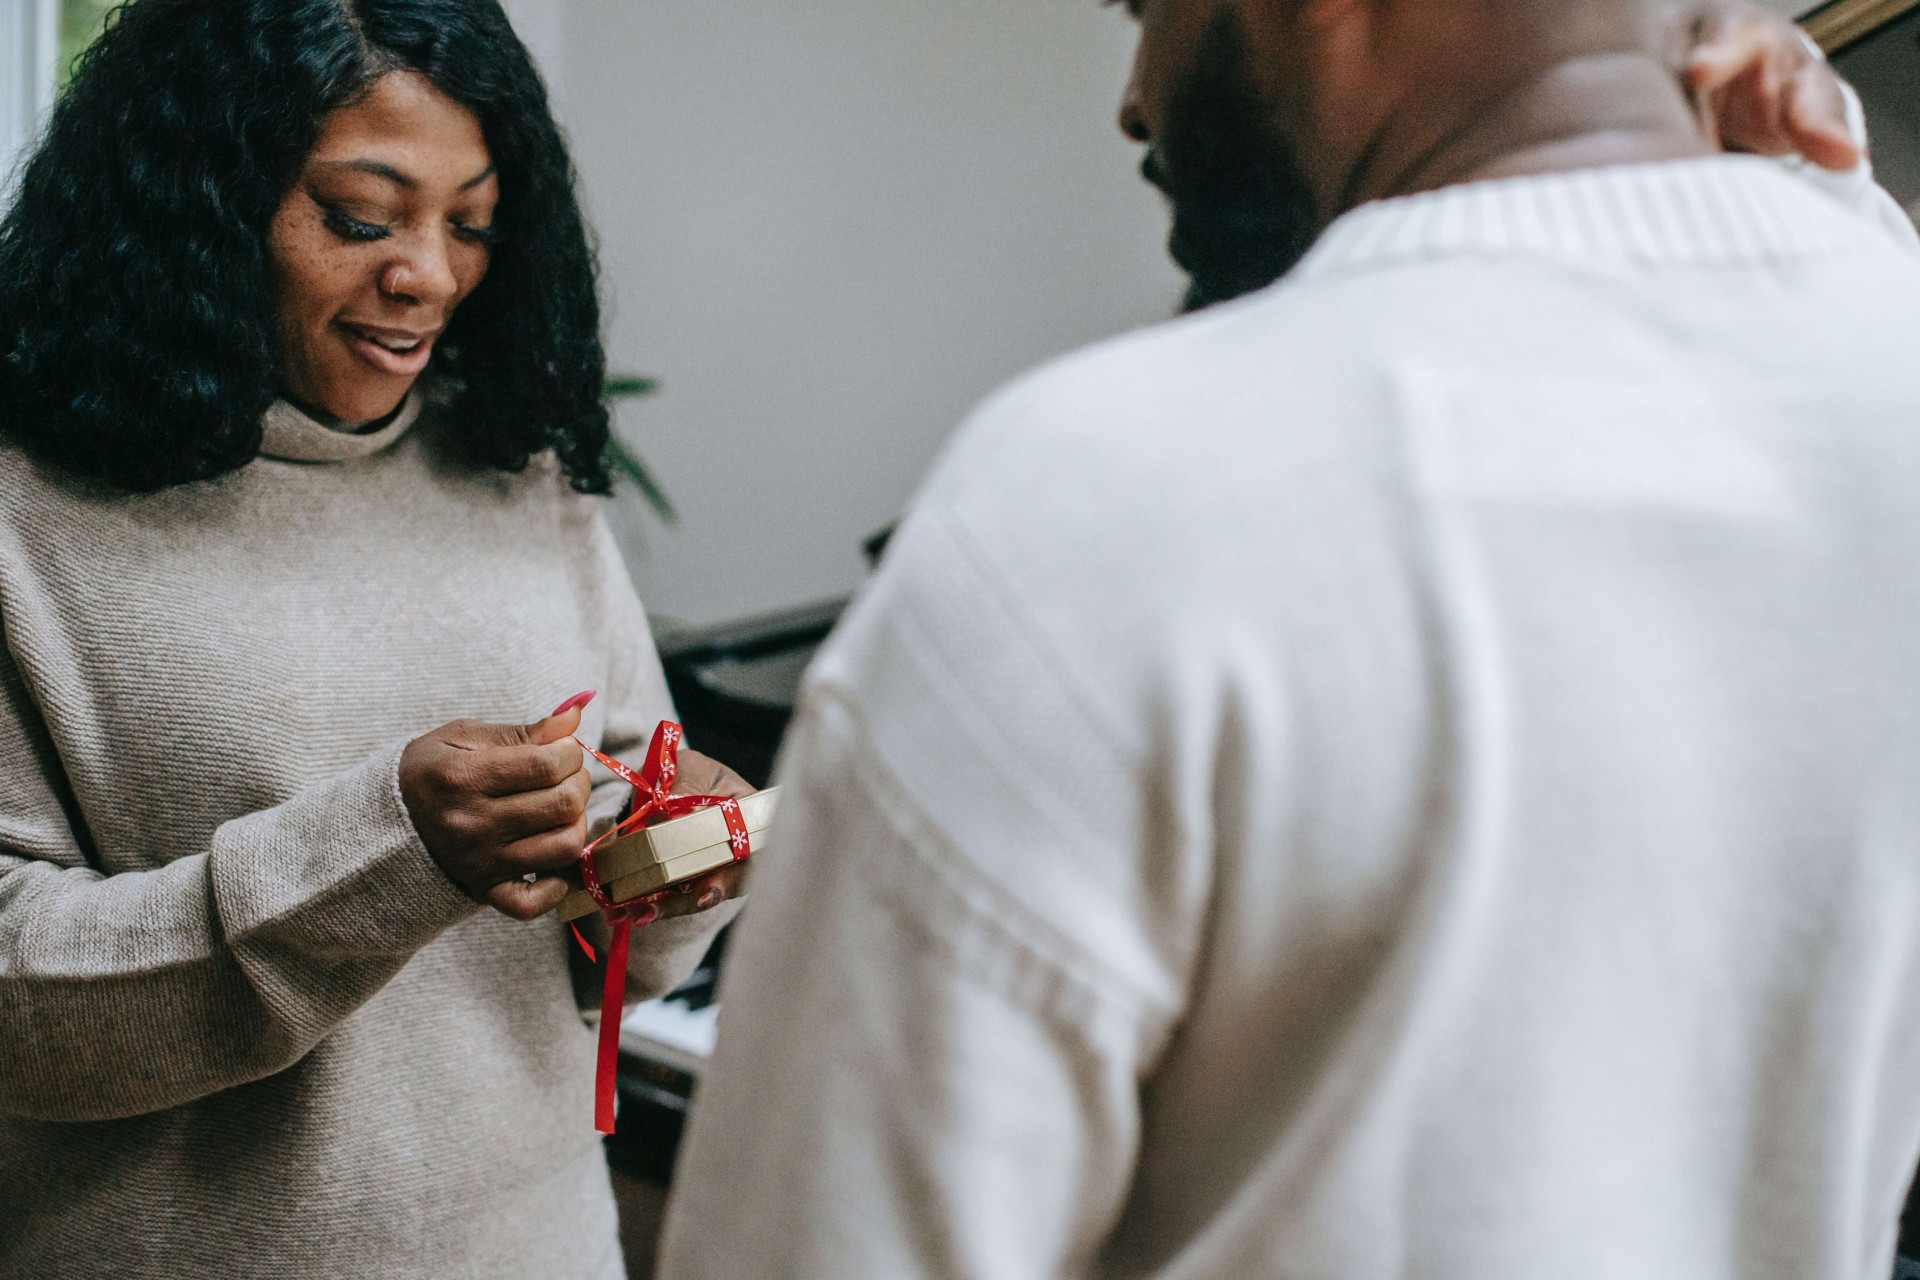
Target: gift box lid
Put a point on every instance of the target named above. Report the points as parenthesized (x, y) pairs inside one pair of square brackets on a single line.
[(657, 856)]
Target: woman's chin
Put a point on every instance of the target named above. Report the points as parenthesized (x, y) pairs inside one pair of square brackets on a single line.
[(357, 406)]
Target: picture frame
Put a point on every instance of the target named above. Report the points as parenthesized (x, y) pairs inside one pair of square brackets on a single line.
[(1841, 23)]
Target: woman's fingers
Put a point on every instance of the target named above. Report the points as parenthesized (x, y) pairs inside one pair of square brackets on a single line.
[(526, 900), (513, 770), (1744, 91), (541, 833), (494, 804), (545, 853), (1764, 89), (706, 893), (1727, 41), (702, 775), (1816, 119), (533, 813)]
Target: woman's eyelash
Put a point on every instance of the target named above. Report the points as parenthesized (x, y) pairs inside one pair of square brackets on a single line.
[(348, 227)]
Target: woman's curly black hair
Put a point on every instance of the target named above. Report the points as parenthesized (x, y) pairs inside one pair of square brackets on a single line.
[(138, 326)]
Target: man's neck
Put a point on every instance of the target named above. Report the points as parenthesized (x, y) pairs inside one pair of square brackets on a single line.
[(1580, 113)]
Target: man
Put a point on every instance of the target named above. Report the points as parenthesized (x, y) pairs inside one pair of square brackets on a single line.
[(1760, 86), (1414, 772)]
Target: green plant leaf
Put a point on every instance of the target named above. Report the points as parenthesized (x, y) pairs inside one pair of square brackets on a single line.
[(81, 22), (627, 465), (628, 387)]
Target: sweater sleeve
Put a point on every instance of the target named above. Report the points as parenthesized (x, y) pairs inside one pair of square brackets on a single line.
[(906, 1085), (132, 993), (935, 1022)]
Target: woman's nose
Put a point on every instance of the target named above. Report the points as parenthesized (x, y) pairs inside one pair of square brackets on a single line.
[(423, 275)]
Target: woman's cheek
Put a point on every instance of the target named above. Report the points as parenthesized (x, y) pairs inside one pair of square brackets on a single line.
[(473, 269)]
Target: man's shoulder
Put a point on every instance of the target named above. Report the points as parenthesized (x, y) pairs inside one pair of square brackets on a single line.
[(1146, 409), (1107, 495)]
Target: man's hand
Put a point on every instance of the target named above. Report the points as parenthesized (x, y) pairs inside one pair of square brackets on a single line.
[(493, 803), (1760, 86)]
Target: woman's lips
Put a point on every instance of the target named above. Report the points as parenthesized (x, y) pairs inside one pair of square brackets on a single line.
[(391, 351)]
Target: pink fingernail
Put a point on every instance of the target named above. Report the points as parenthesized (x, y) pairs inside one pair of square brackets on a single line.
[(577, 700), (710, 899)]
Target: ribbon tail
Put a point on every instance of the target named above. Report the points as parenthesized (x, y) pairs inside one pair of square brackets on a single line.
[(612, 1003), (585, 946), (613, 766)]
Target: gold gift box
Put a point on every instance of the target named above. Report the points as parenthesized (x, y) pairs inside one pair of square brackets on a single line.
[(678, 849)]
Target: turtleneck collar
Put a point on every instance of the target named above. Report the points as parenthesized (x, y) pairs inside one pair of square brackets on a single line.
[(294, 436)]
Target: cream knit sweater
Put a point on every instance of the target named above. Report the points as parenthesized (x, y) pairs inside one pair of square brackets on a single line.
[(247, 1025), (1412, 774)]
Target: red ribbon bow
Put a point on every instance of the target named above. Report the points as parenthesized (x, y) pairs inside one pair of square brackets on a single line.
[(651, 803)]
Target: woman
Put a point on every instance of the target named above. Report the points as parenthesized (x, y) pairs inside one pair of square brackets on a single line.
[(301, 397)]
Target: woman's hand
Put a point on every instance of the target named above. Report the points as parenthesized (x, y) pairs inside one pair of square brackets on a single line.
[(698, 775), (1760, 85), (493, 803), (704, 776)]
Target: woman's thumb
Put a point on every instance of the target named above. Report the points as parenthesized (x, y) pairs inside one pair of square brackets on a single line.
[(564, 721)]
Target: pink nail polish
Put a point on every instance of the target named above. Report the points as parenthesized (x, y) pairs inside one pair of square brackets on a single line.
[(710, 899), (577, 700)]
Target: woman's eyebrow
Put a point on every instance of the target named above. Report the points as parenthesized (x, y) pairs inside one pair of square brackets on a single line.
[(373, 167), (399, 179)]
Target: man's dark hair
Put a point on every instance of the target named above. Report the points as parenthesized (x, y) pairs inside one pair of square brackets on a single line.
[(138, 325)]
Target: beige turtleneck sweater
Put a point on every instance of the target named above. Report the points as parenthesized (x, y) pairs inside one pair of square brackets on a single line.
[(247, 1025)]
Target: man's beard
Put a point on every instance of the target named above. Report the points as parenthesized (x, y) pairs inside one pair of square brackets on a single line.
[(1243, 214)]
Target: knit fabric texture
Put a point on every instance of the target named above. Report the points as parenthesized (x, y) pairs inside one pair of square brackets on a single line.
[(1415, 773), (248, 1027)]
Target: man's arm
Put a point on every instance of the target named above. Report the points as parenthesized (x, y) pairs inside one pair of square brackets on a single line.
[(905, 1085), (959, 964)]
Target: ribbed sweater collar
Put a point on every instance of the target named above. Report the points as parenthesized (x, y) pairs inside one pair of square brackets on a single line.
[(294, 436), (1721, 211)]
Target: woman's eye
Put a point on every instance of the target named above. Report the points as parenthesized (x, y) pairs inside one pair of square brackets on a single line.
[(484, 236), (348, 227)]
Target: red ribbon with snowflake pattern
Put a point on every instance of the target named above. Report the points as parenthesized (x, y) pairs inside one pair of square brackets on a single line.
[(651, 803)]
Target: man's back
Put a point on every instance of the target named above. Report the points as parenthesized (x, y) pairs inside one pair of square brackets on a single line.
[(1416, 773)]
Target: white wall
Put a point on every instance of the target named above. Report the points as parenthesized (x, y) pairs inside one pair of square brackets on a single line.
[(830, 227), (29, 42)]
